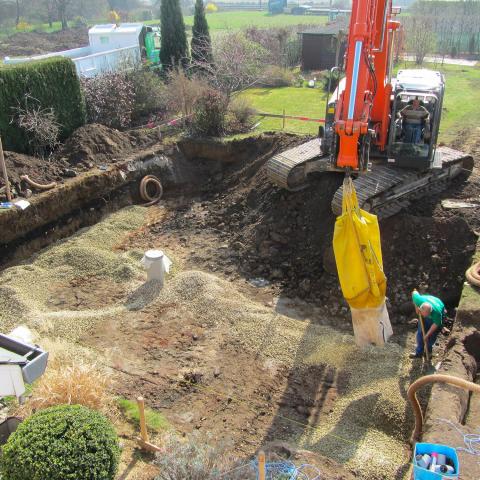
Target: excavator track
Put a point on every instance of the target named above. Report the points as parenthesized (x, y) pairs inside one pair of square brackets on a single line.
[(287, 169), (385, 190)]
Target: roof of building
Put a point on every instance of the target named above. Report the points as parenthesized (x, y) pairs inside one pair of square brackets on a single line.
[(332, 28), (123, 28)]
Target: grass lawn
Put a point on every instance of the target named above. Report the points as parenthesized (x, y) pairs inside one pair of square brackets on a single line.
[(462, 100), (237, 20), (461, 104), (44, 27), (308, 102), (216, 21)]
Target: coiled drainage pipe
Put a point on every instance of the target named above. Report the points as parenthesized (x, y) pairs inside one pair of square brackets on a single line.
[(145, 195), (437, 378), (473, 274)]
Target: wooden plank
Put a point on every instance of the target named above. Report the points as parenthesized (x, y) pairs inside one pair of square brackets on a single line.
[(4, 173)]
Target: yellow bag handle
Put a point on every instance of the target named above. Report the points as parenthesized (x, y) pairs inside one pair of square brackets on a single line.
[(351, 207), (349, 197)]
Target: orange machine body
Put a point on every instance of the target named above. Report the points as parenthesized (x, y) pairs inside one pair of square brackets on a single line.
[(364, 105)]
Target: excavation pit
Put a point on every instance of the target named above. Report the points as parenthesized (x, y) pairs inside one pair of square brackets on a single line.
[(215, 353)]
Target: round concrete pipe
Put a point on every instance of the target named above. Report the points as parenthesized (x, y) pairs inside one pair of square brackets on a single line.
[(412, 396)]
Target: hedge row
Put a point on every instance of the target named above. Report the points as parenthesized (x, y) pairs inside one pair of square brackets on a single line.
[(54, 83)]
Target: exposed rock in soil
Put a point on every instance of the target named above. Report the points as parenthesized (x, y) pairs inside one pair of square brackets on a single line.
[(285, 237)]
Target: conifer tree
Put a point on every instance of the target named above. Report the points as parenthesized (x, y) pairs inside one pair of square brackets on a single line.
[(201, 46), (174, 48)]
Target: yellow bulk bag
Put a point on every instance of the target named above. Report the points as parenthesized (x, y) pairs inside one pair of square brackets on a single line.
[(358, 253)]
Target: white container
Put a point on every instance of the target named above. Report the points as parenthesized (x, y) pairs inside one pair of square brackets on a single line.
[(11, 381), (371, 325), (156, 264)]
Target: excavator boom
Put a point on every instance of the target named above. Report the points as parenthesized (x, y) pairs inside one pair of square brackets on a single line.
[(364, 105)]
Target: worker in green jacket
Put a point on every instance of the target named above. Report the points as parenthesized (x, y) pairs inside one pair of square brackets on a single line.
[(433, 313)]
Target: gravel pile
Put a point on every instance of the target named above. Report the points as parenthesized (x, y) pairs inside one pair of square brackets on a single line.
[(371, 413), (25, 289)]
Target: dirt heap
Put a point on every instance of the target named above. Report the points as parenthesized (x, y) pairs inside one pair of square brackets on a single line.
[(285, 238), (95, 144), (36, 43), (38, 169), (465, 188)]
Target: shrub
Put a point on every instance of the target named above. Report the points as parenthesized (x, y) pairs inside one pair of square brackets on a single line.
[(241, 115), (53, 83), (211, 8), (194, 459), (324, 80), (23, 26), (110, 99), (67, 442), (209, 114), (79, 22), (182, 92), (149, 91), (275, 76), (39, 124)]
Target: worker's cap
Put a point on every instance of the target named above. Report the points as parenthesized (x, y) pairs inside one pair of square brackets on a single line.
[(418, 299)]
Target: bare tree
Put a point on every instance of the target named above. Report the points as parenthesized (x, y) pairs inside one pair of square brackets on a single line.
[(18, 10), (420, 37), (62, 11), (50, 9), (238, 63), (183, 91)]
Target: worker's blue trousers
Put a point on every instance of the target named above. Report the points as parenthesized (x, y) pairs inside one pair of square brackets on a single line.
[(431, 340), (413, 133)]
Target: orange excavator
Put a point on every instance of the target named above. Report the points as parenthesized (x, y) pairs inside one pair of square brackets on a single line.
[(365, 133)]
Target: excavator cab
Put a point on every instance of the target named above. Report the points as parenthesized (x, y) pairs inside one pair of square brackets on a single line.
[(424, 88)]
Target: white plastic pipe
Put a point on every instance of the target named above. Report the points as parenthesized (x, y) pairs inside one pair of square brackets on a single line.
[(156, 264)]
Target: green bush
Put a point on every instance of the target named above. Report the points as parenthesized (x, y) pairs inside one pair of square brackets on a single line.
[(150, 96), (66, 442), (53, 83), (241, 115), (209, 114), (276, 76)]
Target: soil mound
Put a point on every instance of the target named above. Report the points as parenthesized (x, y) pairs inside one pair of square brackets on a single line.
[(465, 187), (95, 144), (38, 169), (285, 237)]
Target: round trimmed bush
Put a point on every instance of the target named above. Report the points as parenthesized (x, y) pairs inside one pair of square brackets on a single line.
[(66, 442)]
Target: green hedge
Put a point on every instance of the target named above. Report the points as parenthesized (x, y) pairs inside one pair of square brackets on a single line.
[(66, 442), (54, 83)]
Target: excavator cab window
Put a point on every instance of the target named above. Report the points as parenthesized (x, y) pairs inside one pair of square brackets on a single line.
[(413, 150)]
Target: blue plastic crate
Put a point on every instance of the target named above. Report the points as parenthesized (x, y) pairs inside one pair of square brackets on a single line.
[(420, 473)]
